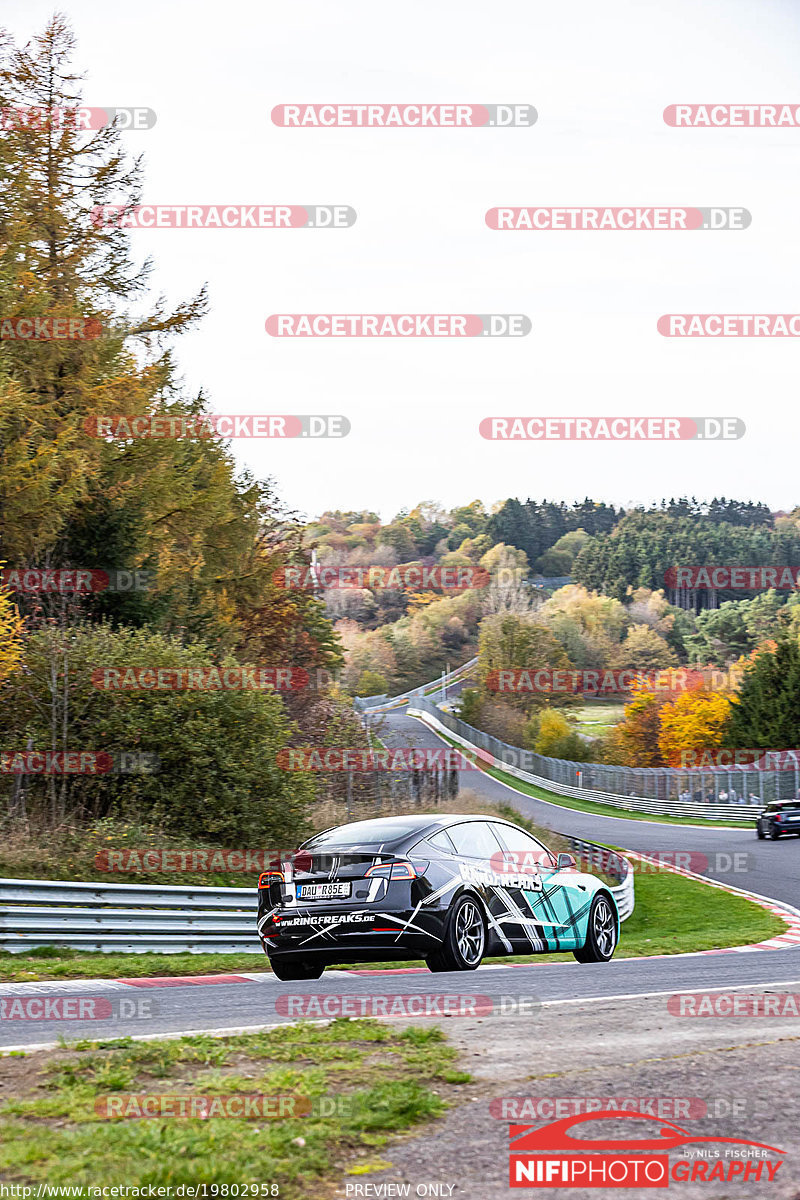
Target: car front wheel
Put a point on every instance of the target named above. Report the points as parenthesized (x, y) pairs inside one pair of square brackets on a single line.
[(465, 940), (601, 933)]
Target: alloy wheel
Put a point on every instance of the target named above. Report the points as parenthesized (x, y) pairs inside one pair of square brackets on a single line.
[(469, 932), (605, 933)]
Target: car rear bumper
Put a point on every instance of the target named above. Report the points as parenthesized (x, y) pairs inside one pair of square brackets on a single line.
[(354, 935)]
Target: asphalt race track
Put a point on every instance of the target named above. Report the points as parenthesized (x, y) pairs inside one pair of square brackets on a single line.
[(177, 1007)]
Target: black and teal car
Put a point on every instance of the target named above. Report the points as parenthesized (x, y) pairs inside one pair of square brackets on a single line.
[(449, 890)]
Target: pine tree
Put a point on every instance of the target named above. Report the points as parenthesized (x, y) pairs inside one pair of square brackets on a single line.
[(767, 714)]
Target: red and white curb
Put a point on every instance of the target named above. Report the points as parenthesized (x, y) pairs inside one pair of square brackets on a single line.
[(782, 941)]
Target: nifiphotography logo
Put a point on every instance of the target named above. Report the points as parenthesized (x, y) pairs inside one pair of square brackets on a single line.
[(551, 1156)]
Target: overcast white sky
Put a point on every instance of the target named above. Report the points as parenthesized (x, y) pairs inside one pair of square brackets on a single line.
[(599, 76)]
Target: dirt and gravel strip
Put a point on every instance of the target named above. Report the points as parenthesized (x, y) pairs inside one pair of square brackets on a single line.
[(745, 1068)]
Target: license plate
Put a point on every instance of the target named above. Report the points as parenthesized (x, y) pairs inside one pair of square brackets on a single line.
[(322, 891)]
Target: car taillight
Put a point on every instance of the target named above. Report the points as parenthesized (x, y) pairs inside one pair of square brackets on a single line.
[(268, 877), (403, 870), (398, 870)]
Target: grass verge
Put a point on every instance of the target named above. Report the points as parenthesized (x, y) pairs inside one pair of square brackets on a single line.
[(365, 1082)]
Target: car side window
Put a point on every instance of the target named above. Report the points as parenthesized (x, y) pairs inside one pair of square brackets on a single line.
[(441, 841), (474, 839), (523, 844)]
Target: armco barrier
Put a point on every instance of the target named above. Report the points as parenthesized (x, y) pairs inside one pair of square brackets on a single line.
[(129, 918), (591, 856), (575, 779), (134, 919), (379, 704)]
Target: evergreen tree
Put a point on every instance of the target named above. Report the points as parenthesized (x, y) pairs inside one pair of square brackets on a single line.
[(767, 714)]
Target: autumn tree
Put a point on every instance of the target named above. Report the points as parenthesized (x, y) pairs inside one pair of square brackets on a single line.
[(57, 263), (694, 720), (634, 742), (11, 636), (588, 625), (213, 537), (642, 649)]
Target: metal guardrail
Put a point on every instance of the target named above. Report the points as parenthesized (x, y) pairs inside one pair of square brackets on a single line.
[(590, 855), (575, 779), (376, 704), (127, 918)]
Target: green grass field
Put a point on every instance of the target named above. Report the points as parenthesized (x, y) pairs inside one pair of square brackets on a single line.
[(596, 717), (363, 1081)]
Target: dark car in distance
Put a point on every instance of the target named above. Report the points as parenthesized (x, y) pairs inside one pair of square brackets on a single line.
[(782, 816), (445, 889)]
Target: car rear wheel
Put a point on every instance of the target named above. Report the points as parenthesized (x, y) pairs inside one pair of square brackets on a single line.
[(465, 940), (601, 934), (288, 968), (773, 833), (759, 833)]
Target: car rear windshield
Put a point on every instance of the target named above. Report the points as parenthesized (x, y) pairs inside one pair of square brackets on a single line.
[(368, 834)]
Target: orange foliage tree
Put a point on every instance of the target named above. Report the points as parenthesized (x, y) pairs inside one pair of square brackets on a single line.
[(694, 720), (634, 742)]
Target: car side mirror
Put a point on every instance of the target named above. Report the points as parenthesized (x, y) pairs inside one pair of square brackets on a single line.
[(565, 862)]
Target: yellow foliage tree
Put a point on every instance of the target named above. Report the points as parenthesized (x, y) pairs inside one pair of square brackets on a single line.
[(694, 720), (11, 630), (553, 729)]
